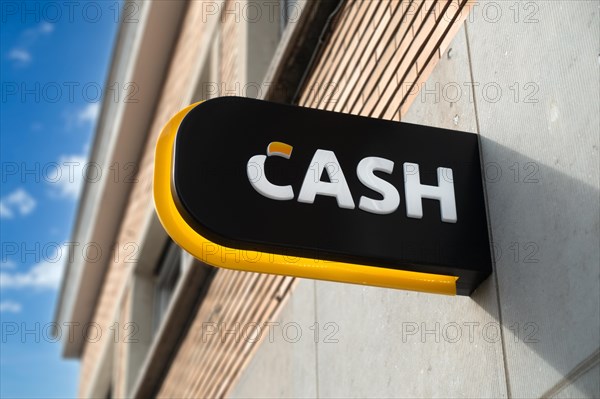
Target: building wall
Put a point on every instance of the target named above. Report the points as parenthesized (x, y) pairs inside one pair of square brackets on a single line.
[(230, 47), (532, 328), (119, 274), (232, 293)]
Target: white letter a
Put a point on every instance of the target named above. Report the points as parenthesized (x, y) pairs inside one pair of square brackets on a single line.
[(337, 187)]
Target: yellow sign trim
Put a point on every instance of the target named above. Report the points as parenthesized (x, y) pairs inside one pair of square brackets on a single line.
[(247, 260)]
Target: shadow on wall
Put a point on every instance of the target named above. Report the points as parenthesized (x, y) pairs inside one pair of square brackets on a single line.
[(544, 232)]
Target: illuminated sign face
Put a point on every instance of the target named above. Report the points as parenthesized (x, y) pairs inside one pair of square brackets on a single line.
[(257, 186)]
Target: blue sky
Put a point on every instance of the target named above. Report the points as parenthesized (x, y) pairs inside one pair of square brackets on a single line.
[(53, 57)]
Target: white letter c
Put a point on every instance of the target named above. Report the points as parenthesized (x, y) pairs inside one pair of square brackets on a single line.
[(262, 184)]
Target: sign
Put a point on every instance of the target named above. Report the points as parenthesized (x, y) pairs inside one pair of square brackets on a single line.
[(264, 187)]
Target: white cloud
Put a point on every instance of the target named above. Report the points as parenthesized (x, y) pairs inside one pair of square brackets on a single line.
[(89, 113), (31, 35), (43, 275), (20, 56), (10, 307), (84, 116), (72, 171), (46, 27), (7, 264), (19, 201), (5, 212)]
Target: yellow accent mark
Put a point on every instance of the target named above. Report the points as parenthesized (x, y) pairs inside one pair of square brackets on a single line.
[(279, 148)]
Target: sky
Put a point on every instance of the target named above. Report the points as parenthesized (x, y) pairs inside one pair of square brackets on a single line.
[(54, 60)]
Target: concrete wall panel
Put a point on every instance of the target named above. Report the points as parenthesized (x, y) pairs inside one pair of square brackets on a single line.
[(284, 364), (544, 207)]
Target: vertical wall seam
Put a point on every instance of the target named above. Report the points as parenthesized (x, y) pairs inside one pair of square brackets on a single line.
[(487, 211)]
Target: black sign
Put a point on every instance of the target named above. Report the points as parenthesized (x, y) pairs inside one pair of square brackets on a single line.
[(281, 179)]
